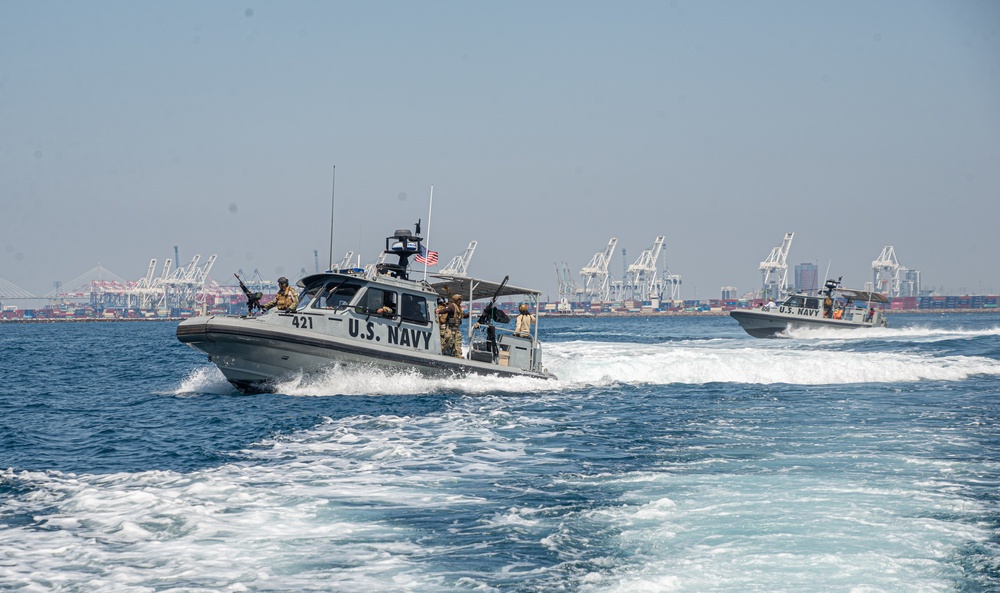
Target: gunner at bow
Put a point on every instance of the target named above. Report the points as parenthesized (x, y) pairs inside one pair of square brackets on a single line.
[(286, 300)]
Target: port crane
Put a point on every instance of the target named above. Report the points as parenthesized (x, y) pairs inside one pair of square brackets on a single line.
[(459, 265), (166, 270), (184, 287), (595, 275), (371, 270), (145, 291), (346, 263), (641, 281), (774, 270), (568, 289), (671, 288), (889, 275)]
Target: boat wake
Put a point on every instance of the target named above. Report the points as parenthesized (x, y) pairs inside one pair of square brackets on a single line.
[(370, 381), (605, 363), (204, 380), (343, 380), (909, 334), (601, 364), (375, 501)]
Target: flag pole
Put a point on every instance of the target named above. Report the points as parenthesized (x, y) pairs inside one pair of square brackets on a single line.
[(430, 208)]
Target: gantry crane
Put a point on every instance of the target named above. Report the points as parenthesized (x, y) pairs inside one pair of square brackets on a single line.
[(459, 265), (596, 278), (888, 273), (774, 270), (641, 280), (568, 289)]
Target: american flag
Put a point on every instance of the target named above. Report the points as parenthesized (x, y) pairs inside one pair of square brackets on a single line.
[(425, 257)]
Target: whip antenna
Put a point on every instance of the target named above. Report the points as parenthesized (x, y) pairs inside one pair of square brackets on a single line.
[(333, 195), (427, 248)]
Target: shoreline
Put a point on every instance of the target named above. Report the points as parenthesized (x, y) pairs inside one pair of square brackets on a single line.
[(88, 320), (559, 316), (888, 313)]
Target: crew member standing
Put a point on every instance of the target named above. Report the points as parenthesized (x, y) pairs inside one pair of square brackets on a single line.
[(286, 300), (453, 320), (524, 321), (442, 315)]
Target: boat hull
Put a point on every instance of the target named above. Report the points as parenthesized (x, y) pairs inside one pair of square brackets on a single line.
[(764, 324), (254, 355)]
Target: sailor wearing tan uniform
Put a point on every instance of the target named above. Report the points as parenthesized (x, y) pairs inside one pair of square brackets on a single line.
[(286, 299), (524, 321)]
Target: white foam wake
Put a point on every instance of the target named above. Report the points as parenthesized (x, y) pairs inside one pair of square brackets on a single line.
[(914, 333), (389, 503), (341, 380), (206, 379), (597, 363), (805, 531), (306, 512), (585, 364)]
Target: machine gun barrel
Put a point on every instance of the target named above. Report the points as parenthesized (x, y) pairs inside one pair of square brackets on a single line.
[(253, 298), (487, 314)]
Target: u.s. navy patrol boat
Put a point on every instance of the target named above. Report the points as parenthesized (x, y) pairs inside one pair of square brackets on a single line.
[(338, 321), (834, 307)]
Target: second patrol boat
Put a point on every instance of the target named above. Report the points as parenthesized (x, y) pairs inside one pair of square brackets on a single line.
[(835, 307), (382, 319)]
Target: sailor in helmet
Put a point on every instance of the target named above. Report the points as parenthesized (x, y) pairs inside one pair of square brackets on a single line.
[(451, 316), (286, 300), (524, 321)]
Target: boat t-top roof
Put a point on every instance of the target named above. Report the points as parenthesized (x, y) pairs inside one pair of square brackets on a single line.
[(475, 288), (863, 295)]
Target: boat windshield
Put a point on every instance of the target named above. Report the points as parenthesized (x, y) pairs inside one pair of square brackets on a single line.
[(377, 300), (414, 308), (795, 301), (334, 295), (307, 295)]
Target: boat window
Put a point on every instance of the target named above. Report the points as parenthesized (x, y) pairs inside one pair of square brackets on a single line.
[(335, 295), (795, 301), (812, 303), (413, 308), (375, 299), (306, 296)]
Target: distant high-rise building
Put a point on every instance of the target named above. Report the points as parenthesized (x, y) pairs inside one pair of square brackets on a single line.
[(729, 293), (910, 284), (807, 278)]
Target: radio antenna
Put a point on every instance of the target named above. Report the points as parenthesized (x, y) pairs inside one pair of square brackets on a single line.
[(430, 209), (333, 195)]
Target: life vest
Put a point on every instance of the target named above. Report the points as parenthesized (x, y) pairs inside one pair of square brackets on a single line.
[(453, 315)]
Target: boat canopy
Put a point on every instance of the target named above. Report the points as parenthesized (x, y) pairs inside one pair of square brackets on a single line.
[(325, 276), (863, 295), (475, 288)]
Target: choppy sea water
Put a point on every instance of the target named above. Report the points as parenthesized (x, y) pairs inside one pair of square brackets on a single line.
[(672, 454)]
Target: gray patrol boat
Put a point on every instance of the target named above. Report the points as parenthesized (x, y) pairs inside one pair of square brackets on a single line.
[(337, 321), (835, 307)]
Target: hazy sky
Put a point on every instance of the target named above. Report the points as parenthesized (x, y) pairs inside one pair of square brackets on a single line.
[(545, 128)]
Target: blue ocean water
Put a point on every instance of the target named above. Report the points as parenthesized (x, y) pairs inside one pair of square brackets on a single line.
[(672, 454)]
